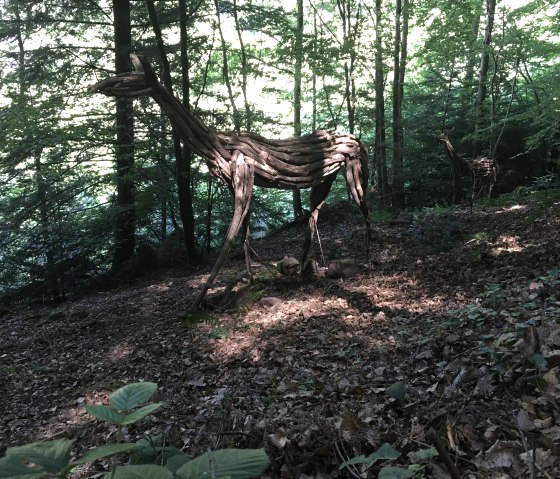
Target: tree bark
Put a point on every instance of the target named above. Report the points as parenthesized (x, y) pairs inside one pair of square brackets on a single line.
[(182, 153), (225, 71), (125, 218), (399, 69), (244, 69), (380, 149), (483, 77), (298, 48)]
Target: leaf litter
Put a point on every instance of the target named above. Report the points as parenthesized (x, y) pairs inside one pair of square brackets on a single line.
[(445, 347)]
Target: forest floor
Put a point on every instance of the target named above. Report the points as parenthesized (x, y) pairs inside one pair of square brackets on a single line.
[(449, 337)]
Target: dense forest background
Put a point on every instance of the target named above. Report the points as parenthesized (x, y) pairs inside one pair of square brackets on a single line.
[(89, 184)]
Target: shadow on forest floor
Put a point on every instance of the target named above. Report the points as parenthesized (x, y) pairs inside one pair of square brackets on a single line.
[(445, 306)]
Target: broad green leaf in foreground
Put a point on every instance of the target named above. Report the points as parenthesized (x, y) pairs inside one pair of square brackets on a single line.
[(106, 451), (176, 462), (51, 456), (145, 471), (140, 413), (13, 468), (385, 451), (105, 413), (391, 472), (234, 463), (132, 395)]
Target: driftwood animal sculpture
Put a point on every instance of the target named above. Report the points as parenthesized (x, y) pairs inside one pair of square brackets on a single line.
[(242, 159), (481, 172)]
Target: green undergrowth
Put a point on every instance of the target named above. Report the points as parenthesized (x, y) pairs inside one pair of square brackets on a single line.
[(147, 458)]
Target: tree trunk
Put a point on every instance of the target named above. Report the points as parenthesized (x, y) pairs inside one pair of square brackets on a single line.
[(225, 72), (244, 69), (380, 151), (184, 163), (399, 68), (298, 48), (125, 220), (482, 77), (182, 154)]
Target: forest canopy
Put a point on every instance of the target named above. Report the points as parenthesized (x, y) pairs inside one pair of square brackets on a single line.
[(89, 183)]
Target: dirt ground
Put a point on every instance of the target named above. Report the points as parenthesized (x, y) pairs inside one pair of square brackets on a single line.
[(448, 337)]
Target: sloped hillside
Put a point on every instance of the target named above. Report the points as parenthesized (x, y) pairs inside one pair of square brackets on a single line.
[(449, 338)]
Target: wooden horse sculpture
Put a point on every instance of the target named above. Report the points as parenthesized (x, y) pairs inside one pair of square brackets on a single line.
[(482, 172), (243, 159)]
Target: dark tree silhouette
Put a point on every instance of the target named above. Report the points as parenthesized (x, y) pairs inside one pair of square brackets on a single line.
[(242, 159)]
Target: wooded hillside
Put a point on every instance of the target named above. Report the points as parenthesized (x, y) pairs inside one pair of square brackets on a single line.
[(90, 184)]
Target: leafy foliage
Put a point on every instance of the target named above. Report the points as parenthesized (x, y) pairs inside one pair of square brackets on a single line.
[(52, 458)]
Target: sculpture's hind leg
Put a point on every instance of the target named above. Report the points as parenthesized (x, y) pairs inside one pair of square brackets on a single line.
[(356, 178), (247, 246), (318, 195), (243, 177)]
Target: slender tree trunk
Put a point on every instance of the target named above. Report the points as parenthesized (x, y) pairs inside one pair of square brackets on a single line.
[(182, 153), (244, 69), (380, 151), (296, 194), (184, 163), (225, 71), (350, 34), (125, 221), (399, 69), (483, 77)]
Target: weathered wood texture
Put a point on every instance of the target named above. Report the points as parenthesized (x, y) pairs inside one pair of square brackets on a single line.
[(242, 159), (481, 172)]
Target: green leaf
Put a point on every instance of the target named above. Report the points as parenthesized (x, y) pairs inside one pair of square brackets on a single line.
[(105, 413), (132, 395), (141, 413), (538, 360), (391, 472), (235, 463), (145, 471), (52, 456), (396, 390), (385, 451), (13, 468), (425, 454), (176, 462), (105, 451)]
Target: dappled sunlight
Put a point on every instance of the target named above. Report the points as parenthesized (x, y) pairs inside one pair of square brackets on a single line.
[(320, 321), (69, 420), (507, 244), (119, 351), (513, 208)]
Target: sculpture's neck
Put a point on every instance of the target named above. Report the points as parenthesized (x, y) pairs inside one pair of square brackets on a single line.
[(451, 151), (202, 139)]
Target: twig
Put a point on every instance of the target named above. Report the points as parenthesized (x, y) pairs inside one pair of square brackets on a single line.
[(442, 451), (530, 457)]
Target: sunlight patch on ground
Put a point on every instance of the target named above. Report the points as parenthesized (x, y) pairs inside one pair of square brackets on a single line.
[(507, 244), (72, 417), (512, 208), (120, 351), (326, 320)]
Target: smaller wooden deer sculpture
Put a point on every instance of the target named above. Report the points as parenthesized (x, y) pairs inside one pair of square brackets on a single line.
[(481, 172)]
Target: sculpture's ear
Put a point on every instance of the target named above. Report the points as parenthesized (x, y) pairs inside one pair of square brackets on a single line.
[(142, 66), (136, 63)]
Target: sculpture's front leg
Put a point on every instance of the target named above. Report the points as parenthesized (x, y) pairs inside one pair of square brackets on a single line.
[(243, 178)]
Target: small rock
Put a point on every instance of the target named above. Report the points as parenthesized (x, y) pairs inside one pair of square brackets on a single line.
[(270, 301)]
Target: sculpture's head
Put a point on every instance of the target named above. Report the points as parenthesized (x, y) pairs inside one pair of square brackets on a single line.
[(131, 84)]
